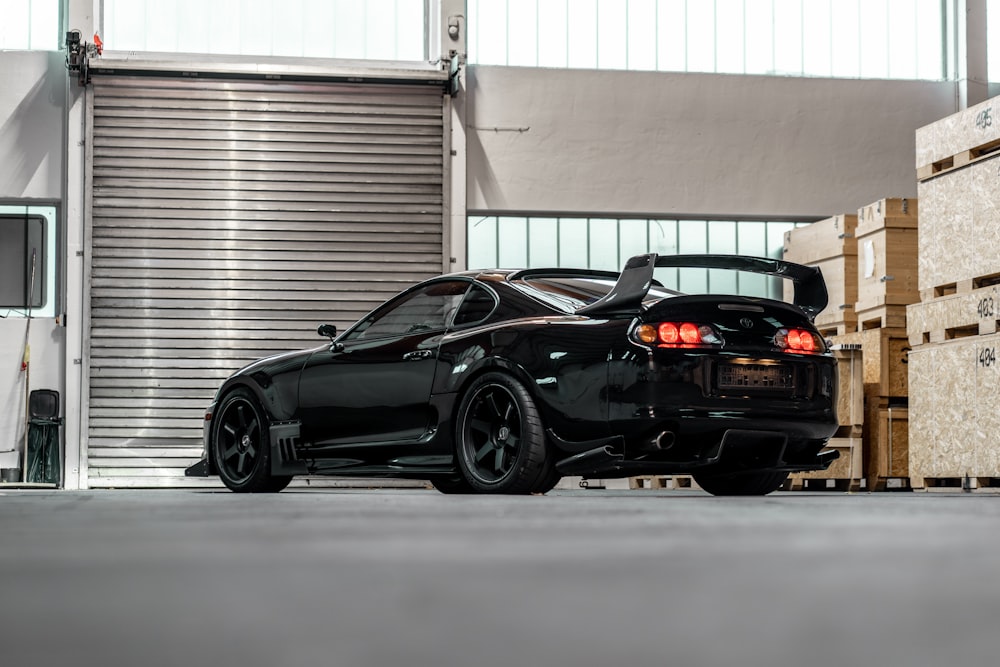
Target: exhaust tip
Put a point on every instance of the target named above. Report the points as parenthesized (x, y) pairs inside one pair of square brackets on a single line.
[(665, 440)]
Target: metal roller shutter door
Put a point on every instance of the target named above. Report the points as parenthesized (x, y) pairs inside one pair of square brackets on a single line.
[(228, 220)]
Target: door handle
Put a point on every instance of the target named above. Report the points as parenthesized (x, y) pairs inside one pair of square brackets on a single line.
[(418, 354)]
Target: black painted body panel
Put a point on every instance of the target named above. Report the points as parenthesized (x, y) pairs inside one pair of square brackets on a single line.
[(373, 408)]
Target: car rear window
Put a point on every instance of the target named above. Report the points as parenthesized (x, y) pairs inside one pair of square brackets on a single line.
[(572, 293)]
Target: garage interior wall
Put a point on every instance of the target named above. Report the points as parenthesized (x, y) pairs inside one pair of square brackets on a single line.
[(32, 149), (659, 144)]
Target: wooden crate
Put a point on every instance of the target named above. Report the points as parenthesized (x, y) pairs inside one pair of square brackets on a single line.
[(957, 140), (850, 390), (887, 255), (847, 467), (959, 229), (884, 355), (966, 312), (954, 410), (887, 451), (829, 245)]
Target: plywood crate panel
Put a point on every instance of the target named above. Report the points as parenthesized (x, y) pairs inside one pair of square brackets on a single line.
[(887, 451), (960, 229), (950, 140), (887, 254), (850, 389), (848, 466), (884, 354), (829, 245), (954, 409), (975, 312)]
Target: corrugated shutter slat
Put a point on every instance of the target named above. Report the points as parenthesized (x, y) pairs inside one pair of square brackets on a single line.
[(228, 220)]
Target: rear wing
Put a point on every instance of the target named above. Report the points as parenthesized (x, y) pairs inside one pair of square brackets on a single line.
[(636, 278)]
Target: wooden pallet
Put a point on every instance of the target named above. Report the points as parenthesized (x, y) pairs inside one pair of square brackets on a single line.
[(958, 160), (837, 329), (885, 316), (663, 482), (952, 484), (831, 484), (969, 308)]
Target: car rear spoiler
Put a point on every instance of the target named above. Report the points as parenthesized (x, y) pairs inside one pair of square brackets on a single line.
[(627, 295)]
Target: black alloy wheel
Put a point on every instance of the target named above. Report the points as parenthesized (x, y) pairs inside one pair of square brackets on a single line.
[(500, 440), (241, 447)]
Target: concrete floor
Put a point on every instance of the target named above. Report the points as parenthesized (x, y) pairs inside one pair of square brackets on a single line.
[(585, 577)]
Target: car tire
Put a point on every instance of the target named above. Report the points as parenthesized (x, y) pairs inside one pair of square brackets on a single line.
[(548, 478), (746, 484), (500, 442), (241, 447), (452, 486)]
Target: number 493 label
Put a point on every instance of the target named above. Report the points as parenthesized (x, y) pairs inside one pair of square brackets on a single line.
[(988, 357)]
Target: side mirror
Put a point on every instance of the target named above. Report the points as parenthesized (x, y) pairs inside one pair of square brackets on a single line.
[(327, 330)]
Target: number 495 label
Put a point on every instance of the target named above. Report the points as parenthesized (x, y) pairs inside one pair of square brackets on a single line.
[(988, 357)]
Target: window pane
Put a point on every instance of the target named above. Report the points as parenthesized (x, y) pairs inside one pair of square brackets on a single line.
[(701, 36), (552, 48), (902, 40), (583, 34), (671, 34), (817, 59), (612, 34), (729, 45), (482, 242), (752, 240), (513, 241), (44, 33), (633, 239), (34, 226), (874, 36), (930, 59), (846, 39), (788, 37), (604, 245), (573, 242), (543, 242), (759, 37), (642, 34), (377, 29), (522, 33)]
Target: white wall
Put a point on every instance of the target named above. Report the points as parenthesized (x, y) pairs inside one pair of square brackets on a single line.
[(568, 141), (32, 115), (32, 145)]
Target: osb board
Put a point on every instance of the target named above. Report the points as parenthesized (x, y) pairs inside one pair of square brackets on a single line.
[(890, 212), (887, 268), (959, 132), (954, 409), (887, 452), (973, 313), (959, 226), (850, 388), (884, 355), (848, 466), (821, 240), (841, 276)]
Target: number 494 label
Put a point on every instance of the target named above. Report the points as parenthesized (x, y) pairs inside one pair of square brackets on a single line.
[(988, 357)]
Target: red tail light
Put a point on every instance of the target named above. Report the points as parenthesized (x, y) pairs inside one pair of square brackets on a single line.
[(676, 334), (799, 341)]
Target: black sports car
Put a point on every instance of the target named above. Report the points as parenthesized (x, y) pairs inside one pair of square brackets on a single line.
[(504, 381)]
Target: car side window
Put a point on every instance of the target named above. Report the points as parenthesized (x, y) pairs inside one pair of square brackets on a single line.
[(476, 307), (425, 309)]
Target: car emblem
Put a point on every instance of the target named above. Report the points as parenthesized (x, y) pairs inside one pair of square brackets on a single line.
[(746, 323)]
